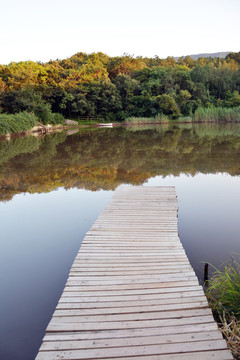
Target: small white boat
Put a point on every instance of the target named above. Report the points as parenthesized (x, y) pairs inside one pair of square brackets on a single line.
[(109, 125)]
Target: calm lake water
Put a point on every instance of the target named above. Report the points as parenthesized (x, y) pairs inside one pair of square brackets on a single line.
[(52, 190)]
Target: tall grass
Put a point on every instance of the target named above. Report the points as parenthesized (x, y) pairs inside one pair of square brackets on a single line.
[(24, 121), (231, 331), (160, 118), (217, 114), (206, 115), (185, 119), (224, 290), (13, 123), (223, 294)]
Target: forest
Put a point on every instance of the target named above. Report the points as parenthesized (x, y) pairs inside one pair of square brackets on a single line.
[(115, 88)]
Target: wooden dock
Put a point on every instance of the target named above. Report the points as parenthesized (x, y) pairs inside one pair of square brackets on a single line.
[(131, 292)]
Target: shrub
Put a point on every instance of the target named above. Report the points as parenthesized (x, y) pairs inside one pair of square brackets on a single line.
[(56, 118), (10, 123)]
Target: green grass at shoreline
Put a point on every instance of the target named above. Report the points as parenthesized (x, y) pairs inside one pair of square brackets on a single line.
[(223, 293), (147, 120), (224, 289), (217, 114), (25, 121), (201, 115), (14, 123)]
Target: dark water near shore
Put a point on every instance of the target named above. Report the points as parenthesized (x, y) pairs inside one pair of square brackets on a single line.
[(52, 189)]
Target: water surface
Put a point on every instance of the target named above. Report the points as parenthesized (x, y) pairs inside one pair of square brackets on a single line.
[(52, 190)]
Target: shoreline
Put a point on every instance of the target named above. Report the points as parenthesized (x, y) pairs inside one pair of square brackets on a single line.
[(41, 130)]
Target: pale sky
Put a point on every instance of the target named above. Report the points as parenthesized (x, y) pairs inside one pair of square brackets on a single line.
[(51, 29)]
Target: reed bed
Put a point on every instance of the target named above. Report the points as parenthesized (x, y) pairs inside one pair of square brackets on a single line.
[(159, 119), (217, 114), (13, 123), (223, 293), (231, 331), (201, 115)]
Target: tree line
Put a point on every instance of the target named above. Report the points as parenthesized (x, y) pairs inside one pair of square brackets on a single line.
[(114, 88)]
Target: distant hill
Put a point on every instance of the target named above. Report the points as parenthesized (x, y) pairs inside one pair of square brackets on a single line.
[(222, 55)]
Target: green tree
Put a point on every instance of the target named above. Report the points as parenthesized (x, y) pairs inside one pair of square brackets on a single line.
[(125, 65), (106, 99), (27, 99), (232, 99), (127, 87), (234, 56), (167, 105), (183, 100)]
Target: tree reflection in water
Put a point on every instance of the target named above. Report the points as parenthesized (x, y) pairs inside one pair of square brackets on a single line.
[(104, 158)]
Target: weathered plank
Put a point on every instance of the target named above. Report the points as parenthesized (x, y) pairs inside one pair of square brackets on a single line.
[(127, 333), (131, 341), (135, 324), (130, 309), (114, 352), (143, 304)]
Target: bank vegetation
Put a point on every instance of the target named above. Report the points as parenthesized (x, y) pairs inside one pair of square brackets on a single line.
[(223, 293), (115, 88)]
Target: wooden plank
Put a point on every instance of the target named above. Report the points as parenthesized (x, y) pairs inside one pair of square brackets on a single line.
[(132, 279), (132, 266), (129, 245), (74, 296), (130, 251), (135, 350), (113, 325), (129, 309), (81, 273), (127, 333), (171, 283), (181, 303), (128, 268), (130, 291), (132, 341), (206, 355), (75, 316), (137, 264), (131, 260)]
